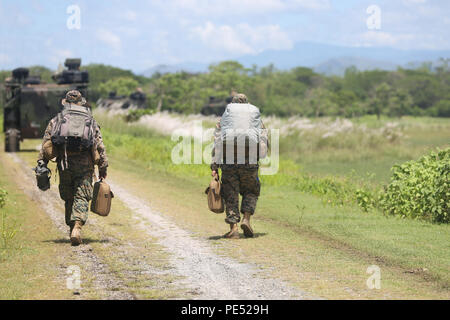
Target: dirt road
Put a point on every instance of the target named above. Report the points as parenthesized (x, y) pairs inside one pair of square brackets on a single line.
[(202, 272), (105, 281), (212, 276)]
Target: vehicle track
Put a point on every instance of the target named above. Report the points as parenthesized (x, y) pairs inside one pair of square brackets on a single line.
[(209, 275)]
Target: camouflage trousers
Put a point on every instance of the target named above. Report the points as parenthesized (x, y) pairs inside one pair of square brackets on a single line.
[(240, 179), (75, 188)]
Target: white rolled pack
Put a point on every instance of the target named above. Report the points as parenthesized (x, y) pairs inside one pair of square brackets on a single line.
[(240, 122)]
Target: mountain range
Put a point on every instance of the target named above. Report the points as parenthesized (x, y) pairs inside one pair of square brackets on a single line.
[(323, 58)]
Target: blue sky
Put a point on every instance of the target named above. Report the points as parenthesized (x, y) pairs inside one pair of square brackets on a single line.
[(140, 34)]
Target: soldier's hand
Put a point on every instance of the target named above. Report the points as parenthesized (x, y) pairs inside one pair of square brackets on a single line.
[(102, 173), (41, 163)]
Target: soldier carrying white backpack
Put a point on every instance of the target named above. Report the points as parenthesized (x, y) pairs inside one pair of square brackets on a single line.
[(240, 140)]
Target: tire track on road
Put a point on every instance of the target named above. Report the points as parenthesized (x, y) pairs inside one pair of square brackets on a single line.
[(209, 275)]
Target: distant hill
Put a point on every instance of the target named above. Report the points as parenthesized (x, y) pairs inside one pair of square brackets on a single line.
[(312, 55), (324, 58), (187, 67), (338, 66)]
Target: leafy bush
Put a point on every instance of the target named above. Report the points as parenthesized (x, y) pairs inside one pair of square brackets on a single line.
[(3, 194), (420, 189), (365, 199), (135, 115), (7, 232), (123, 86)]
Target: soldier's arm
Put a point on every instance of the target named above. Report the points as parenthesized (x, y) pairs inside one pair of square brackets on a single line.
[(216, 155), (103, 162), (47, 136)]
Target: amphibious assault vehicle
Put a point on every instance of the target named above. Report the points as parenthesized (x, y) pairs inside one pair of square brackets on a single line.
[(215, 106), (136, 100), (29, 104)]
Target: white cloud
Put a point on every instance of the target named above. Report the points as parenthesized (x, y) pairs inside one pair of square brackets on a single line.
[(406, 41), (129, 31), (310, 4), (60, 55), (238, 7), (408, 2), (377, 38), (242, 38), (109, 38), (130, 15), (4, 58)]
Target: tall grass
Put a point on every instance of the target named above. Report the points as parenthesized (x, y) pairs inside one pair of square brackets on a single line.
[(320, 146), (152, 150), (364, 146), (328, 141), (8, 229)]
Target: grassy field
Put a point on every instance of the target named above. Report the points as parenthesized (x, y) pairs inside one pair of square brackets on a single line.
[(370, 155), (31, 265), (359, 148), (309, 227), (118, 240)]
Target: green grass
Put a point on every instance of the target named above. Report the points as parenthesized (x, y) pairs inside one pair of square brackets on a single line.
[(346, 167), (124, 247), (366, 154), (31, 266), (312, 207), (320, 248)]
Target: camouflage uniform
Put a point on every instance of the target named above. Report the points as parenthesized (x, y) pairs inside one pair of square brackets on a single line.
[(238, 178), (75, 179)]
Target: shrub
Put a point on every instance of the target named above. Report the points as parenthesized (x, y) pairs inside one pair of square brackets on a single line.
[(365, 199), (135, 115), (420, 189), (3, 194), (7, 232)]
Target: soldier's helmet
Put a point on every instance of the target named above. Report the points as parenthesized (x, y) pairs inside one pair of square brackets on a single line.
[(240, 98), (75, 97)]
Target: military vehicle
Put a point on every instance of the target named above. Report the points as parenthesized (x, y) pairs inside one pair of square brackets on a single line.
[(29, 104), (215, 106), (136, 100)]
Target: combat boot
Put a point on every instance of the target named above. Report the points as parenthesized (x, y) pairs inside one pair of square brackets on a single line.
[(245, 226), (75, 237), (234, 232)]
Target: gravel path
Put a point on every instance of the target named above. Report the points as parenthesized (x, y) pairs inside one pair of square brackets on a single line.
[(105, 283), (209, 275), (205, 273)]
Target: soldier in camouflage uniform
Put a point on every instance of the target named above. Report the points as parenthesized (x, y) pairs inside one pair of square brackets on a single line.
[(75, 176), (238, 179)]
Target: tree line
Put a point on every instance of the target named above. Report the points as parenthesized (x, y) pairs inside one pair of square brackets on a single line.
[(424, 91)]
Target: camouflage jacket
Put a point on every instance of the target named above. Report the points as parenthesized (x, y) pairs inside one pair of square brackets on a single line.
[(217, 157), (98, 143)]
